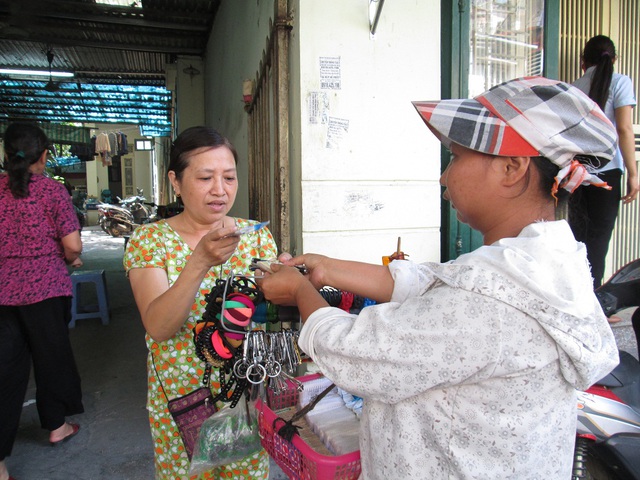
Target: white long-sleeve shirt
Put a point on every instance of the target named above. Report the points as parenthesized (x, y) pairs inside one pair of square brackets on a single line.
[(470, 370)]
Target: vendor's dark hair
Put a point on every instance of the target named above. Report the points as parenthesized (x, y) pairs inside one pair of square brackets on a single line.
[(192, 139), (548, 171), (600, 52), (23, 146)]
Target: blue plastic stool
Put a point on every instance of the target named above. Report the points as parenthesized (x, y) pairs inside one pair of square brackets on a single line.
[(80, 312)]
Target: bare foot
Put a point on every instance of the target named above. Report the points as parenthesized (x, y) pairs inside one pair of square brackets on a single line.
[(64, 433), (4, 474), (614, 319)]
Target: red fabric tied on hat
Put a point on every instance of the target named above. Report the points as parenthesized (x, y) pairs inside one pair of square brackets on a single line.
[(574, 175)]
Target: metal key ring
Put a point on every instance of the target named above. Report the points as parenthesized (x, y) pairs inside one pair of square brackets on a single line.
[(274, 369), (236, 368), (250, 369)]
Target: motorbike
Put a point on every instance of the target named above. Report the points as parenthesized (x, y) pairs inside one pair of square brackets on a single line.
[(131, 212), (78, 199), (608, 428)]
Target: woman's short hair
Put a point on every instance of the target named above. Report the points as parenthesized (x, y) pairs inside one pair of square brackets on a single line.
[(192, 139)]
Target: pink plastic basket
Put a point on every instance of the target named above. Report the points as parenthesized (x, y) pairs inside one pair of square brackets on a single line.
[(297, 459)]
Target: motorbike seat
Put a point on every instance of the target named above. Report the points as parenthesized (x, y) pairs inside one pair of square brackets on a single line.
[(624, 380)]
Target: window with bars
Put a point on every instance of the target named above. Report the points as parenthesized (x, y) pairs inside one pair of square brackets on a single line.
[(506, 41)]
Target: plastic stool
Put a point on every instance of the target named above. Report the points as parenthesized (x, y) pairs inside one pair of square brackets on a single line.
[(79, 312)]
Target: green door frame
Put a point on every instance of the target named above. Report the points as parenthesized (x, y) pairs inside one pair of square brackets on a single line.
[(457, 238)]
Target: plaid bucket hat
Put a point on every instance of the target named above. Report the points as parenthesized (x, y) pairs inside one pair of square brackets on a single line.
[(529, 116)]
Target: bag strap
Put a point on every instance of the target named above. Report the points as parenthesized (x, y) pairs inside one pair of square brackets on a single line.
[(288, 430), (153, 361)]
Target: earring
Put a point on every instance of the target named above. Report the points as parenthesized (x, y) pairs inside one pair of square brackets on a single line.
[(178, 195)]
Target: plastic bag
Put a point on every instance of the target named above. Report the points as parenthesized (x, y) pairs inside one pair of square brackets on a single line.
[(229, 435)]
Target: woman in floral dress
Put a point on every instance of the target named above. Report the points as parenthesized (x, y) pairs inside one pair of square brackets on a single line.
[(172, 265)]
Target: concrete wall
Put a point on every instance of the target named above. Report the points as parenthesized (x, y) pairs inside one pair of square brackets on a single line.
[(364, 166), (234, 52), (189, 93), (369, 165)]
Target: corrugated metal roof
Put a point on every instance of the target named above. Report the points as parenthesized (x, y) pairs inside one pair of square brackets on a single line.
[(111, 43)]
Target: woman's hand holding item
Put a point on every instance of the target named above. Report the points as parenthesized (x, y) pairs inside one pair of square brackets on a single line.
[(315, 264), (282, 286), (287, 286), (217, 246), (163, 309), (365, 279)]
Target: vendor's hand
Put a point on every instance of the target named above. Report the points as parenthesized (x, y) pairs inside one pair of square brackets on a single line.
[(217, 246), (316, 266), (284, 257), (281, 287), (632, 189)]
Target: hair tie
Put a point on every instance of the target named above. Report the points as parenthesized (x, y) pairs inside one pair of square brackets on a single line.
[(605, 54), (20, 154)]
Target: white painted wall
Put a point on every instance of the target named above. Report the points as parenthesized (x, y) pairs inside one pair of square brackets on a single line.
[(365, 186), (353, 192)]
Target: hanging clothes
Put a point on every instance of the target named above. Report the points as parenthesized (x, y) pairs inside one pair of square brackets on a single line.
[(103, 147), (113, 143), (123, 146)]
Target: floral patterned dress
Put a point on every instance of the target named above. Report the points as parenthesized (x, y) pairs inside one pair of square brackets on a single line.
[(157, 245)]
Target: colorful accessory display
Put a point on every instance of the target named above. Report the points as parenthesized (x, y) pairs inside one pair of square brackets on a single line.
[(257, 357), (346, 301), (225, 322)]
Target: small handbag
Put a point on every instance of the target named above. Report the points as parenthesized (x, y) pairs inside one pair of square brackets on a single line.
[(189, 412)]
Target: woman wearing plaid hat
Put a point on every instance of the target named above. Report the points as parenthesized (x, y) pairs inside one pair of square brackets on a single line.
[(468, 369), (594, 210)]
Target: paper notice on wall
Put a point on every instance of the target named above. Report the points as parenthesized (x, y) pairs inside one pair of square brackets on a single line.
[(330, 73), (337, 132), (318, 105)]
